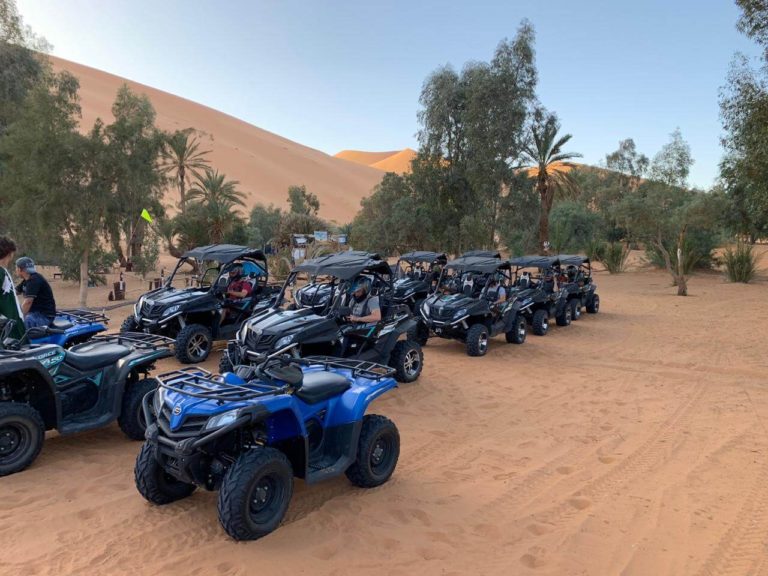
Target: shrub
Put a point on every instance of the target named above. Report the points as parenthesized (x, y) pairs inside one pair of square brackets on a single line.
[(698, 251), (740, 263), (99, 260), (572, 226), (614, 256)]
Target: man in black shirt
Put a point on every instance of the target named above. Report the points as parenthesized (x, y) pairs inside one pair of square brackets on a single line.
[(38, 304)]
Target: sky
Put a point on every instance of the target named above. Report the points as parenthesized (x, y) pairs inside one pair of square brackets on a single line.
[(344, 74)]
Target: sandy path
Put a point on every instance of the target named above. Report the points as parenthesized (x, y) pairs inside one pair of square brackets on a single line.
[(633, 442)]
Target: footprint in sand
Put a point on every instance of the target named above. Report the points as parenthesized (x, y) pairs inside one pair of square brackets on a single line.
[(527, 444), (225, 568), (606, 427), (606, 459), (86, 514), (564, 470), (580, 503), (538, 529), (534, 558)]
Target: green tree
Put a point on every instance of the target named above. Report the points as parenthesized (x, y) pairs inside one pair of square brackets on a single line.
[(135, 145), (471, 139), (217, 201), (263, 224), (61, 180), (182, 159), (302, 202), (551, 165)]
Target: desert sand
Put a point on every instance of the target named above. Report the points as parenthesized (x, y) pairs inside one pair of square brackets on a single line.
[(633, 442), (264, 163)]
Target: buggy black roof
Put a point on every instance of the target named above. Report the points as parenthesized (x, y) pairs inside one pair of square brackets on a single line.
[(535, 261), (482, 253), (224, 253), (424, 256), (480, 264), (572, 259), (344, 265)]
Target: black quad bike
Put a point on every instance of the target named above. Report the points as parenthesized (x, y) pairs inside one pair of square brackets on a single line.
[(416, 275), (465, 307), (193, 316), (46, 387), (538, 278), (325, 330), (576, 278)]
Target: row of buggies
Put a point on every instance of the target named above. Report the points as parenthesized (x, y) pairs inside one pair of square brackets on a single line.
[(294, 384)]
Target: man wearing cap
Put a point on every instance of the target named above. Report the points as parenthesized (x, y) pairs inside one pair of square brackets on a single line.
[(38, 304), (239, 287)]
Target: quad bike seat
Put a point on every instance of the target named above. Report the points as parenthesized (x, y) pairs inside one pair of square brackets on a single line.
[(61, 324), (95, 355), (317, 386)]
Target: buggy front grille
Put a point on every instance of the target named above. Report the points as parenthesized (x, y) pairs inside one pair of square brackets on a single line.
[(191, 426)]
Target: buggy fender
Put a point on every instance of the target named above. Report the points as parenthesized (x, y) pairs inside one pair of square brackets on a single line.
[(136, 361), (41, 389)]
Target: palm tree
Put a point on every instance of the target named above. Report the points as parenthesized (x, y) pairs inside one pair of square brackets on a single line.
[(219, 199), (550, 168), (180, 157)]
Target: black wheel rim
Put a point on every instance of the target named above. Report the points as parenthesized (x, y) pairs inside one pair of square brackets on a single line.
[(197, 346), (411, 363), (264, 498), (382, 454), (482, 342), (14, 442)]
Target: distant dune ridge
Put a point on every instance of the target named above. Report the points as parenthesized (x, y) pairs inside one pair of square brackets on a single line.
[(264, 163), (398, 161)]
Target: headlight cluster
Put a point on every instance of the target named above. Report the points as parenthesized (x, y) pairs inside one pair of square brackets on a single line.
[(158, 399), (460, 313), (137, 307), (284, 341), (171, 310), (222, 419)]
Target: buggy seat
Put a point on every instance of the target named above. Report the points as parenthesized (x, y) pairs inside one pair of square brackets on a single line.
[(321, 385), (95, 355)]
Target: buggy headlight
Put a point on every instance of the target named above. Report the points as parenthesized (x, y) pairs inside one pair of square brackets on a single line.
[(137, 307), (425, 308), (222, 419), (158, 399), (171, 310), (460, 313), (284, 341), (242, 333)]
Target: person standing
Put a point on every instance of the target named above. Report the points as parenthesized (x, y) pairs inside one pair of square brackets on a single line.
[(38, 304), (9, 304)]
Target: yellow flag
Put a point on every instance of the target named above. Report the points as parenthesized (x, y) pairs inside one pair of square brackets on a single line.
[(146, 216)]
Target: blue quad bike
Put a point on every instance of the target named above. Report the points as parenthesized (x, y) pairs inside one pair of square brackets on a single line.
[(72, 327), (248, 434), (88, 386)]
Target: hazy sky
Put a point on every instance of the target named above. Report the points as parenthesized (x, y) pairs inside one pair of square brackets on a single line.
[(347, 74)]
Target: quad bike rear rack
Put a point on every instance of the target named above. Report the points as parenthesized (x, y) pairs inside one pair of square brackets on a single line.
[(138, 340), (82, 316), (362, 368)]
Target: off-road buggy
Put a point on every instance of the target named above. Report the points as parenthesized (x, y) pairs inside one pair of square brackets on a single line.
[(46, 387), (248, 434), (324, 329), (416, 275), (466, 307), (535, 278), (74, 326), (575, 275), (193, 316)]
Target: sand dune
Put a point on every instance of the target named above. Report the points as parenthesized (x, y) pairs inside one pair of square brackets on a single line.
[(632, 442), (398, 161), (264, 163)]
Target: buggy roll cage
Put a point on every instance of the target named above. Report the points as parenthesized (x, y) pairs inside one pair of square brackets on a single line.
[(477, 262), (222, 254), (343, 268), (419, 258)]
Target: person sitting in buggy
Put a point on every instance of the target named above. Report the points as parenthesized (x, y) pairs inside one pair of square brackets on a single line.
[(364, 306), (548, 280), (525, 281), (237, 293), (496, 294)]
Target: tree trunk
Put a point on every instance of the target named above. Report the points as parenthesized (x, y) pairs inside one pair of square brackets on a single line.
[(682, 285), (546, 205), (182, 191), (84, 277)]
